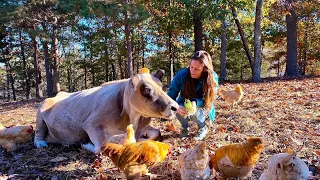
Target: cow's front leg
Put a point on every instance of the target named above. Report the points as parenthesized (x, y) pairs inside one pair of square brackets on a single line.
[(96, 135)]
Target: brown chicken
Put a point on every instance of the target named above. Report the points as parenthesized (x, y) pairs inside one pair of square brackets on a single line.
[(233, 96), (237, 160), (12, 136), (134, 159), (194, 163), (126, 138)]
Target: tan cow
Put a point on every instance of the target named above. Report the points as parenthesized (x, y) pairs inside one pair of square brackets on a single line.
[(98, 113)]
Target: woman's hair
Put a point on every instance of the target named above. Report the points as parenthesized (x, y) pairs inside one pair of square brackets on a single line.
[(207, 77)]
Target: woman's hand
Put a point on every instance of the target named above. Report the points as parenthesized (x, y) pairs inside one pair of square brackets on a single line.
[(182, 111)]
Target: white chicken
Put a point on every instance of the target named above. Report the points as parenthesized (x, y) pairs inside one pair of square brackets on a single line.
[(194, 163), (285, 166)]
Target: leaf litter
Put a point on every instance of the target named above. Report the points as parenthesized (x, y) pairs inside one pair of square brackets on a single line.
[(285, 112)]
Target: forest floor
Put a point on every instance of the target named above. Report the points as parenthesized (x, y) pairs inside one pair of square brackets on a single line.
[(285, 112)]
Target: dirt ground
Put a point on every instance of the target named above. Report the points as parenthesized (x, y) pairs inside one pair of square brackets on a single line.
[(285, 112)]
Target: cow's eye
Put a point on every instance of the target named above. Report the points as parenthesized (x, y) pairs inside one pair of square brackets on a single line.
[(146, 91)]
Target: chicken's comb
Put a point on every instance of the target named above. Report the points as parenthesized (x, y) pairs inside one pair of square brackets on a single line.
[(144, 71)]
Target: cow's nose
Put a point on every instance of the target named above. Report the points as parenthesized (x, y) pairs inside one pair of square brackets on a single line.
[(173, 108)]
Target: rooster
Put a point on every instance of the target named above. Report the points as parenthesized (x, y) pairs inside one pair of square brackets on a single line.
[(10, 137), (134, 159), (237, 160), (233, 96), (194, 163), (285, 166), (123, 139)]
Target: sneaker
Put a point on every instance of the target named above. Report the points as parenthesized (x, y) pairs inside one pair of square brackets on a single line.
[(201, 134), (184, 133)]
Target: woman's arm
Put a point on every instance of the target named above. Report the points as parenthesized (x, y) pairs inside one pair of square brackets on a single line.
[(175, 86)]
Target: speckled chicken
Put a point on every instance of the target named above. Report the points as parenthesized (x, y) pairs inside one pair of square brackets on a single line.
[(237, 160), (10, 137), (285, 166), (194, 163)]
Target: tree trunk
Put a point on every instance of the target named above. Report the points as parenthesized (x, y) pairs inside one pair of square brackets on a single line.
[(170, 54), (138, 53), (143, 52), (69, 78), (304, 51), (128, 44), (10, 79), (25, 67), (47, 63), (37, 72), (120, 66), (114, 73), (257, 43), (198, 31), (85, 74), (106, 64), (243, 39), (223, 61), (291, 21), (55, 64), (93, 73)]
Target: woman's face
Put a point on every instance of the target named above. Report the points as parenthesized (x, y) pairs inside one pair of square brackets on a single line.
[(196, 69)]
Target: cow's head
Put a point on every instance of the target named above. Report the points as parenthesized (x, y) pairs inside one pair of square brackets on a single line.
[(148, 99)]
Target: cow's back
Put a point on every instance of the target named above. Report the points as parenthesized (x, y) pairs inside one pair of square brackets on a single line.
[(65, 114)]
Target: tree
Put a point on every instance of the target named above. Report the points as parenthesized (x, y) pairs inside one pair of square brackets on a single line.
[(243, 38), (128, 41), (257, 43), (291, 21), (223, 64), (198, 29)]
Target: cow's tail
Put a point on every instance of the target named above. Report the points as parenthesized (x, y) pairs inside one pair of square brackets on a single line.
[(41, 131)]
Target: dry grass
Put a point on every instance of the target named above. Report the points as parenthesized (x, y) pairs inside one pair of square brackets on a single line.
[(284, 113)]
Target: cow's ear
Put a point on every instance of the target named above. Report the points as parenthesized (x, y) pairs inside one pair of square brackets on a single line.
[(134, 81)]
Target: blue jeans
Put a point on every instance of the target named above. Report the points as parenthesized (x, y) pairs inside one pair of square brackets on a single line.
[(199, 118)]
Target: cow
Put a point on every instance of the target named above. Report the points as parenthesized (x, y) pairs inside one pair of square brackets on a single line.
[(92, 116)]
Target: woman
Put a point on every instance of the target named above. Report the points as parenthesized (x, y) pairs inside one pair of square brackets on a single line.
[(197, 83)]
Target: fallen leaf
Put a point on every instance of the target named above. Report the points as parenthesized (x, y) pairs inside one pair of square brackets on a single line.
[(96, 163), (170, 127), (100, 170), (221, 129)]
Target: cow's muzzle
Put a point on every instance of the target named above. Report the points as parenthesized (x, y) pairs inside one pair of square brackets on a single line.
[(173, 108)]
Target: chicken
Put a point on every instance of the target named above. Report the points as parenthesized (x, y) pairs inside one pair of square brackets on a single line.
[(285, 166), (12, 136), (134, 159), (124, 138), (233, 96), (237, 160), (194, 163)]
